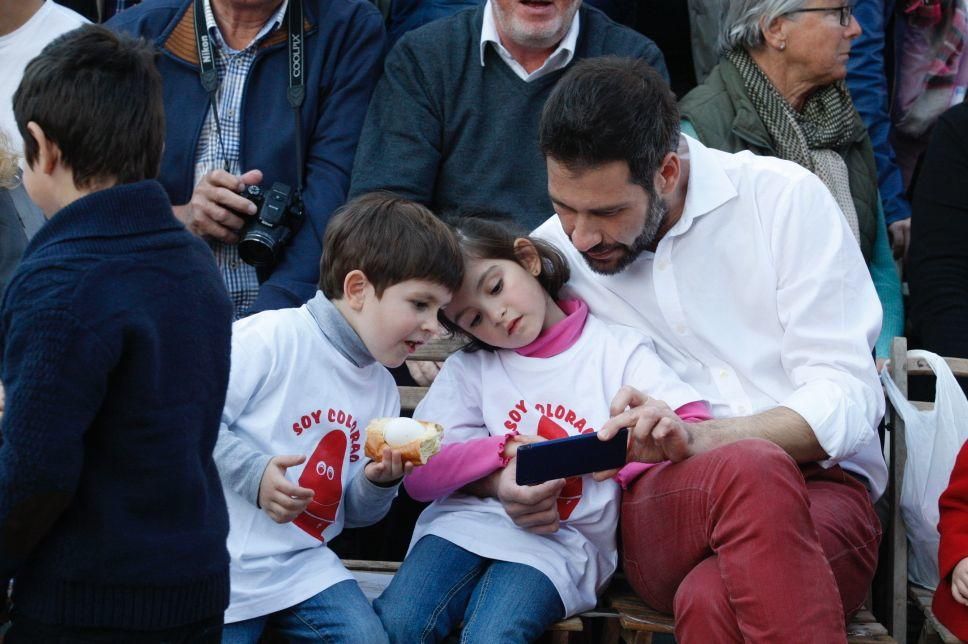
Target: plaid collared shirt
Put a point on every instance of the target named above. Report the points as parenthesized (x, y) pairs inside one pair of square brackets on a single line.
[(233, 68)]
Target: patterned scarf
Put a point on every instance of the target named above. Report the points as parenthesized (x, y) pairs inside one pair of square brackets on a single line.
[(810, 137)]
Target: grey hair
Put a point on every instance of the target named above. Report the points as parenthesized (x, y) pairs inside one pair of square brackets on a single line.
[(744, 20)]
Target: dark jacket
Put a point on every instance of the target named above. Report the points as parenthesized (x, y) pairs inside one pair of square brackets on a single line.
[(115, 343), (725, 119), (344, 52)]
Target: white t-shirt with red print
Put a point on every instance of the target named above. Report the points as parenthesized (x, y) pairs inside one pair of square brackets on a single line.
[(493, 393), (291, 391)]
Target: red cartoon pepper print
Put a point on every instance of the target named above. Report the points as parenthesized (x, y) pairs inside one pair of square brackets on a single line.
[(323, 474), (571, 492)]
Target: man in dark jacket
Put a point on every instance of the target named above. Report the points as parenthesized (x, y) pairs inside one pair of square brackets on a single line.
[(252, 136)]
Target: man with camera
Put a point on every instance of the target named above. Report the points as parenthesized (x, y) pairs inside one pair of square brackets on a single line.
[(267, 93)]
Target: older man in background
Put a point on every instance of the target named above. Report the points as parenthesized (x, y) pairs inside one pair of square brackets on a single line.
[(454, 120), (243, 131)]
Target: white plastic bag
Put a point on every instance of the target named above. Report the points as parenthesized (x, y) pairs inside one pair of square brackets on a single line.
[(933, 438)]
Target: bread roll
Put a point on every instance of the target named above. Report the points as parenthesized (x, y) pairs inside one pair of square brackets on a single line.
[(416, 440)]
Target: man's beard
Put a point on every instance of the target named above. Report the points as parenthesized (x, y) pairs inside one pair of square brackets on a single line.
[(646, 239)]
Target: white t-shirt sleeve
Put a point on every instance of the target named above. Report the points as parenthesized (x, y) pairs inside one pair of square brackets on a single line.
[(240, 463)]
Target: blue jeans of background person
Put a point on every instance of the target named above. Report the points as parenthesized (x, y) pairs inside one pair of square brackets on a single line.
[(341, 613), (440, 585)]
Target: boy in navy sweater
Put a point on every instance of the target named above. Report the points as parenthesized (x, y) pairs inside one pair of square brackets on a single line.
[(115, 344)]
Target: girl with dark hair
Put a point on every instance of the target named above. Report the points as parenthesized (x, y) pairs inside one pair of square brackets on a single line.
[(538, 367)]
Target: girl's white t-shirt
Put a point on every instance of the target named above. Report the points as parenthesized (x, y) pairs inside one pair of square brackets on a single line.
[(494, 393), (292, 392)]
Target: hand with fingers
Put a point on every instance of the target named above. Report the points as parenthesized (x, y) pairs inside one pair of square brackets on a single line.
[(900, 233), (532, 507), (656, 433), (959, 582), (217, 209), (281, 499), (389, 470), (423, 372)]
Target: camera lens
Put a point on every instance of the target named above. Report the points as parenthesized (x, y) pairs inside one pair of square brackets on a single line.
[(258, 248)]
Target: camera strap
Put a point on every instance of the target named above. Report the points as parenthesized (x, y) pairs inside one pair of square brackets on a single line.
[(295, 94)]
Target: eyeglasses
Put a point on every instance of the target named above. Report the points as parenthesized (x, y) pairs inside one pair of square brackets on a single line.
[(845, 13)]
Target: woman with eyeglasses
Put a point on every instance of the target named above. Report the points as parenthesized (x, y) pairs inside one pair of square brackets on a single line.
[(779, 90)]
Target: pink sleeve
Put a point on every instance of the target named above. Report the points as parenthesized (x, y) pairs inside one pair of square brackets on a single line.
[(456, 465), (693, 412)]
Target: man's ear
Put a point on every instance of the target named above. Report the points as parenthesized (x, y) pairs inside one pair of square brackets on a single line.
[(355, 287), (528, 256), (48, 152), (667, 178)]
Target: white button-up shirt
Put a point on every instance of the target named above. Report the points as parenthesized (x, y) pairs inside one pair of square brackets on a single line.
[(558, 59), (758, 297)]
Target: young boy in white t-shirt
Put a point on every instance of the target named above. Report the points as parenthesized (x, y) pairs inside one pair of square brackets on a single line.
[(304, 384)]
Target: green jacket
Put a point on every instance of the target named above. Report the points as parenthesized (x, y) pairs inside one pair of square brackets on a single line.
[(724, 118)]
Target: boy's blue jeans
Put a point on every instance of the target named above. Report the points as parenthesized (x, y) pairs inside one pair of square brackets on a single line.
[(441, 585), (341, 613)]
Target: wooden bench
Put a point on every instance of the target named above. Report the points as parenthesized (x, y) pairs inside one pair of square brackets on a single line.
[(901, 367)]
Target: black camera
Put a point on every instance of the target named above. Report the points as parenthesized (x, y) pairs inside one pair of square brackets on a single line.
[(278, 217)]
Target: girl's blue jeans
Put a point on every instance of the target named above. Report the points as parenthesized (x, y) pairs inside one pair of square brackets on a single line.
[(441, 585)]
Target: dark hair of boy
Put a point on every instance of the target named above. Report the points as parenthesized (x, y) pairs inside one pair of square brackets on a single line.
[(489, 234), (98, 96), (589, 119), (390, 239)]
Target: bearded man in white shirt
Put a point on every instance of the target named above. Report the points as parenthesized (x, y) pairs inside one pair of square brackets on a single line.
[(757, 525)]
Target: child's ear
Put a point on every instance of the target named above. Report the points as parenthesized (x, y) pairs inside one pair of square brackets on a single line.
[(355, 287), (48, 152), (528, 255)]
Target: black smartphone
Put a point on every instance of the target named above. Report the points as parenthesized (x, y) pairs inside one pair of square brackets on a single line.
[(571, 456)]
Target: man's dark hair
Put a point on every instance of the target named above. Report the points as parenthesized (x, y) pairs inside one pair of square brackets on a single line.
[(611, 109), (98, 96), (390, 239)]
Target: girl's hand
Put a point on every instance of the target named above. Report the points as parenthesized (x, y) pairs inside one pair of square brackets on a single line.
[(516, 441), (389, 471), (959, 582)]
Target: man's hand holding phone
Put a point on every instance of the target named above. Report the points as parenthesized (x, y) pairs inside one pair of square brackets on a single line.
[(656, 433)]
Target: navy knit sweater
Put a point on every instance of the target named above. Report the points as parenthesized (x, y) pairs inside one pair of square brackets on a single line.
[(115, 337)]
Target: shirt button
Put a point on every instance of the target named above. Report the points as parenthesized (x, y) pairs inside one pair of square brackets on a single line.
[(231, 112), (663, 264), (681, 329), (723, 374), (234, 265)]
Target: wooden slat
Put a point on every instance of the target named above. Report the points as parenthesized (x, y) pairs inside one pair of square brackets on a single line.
[(411, 396), (897, 531), (437, 350), (922, 597), (919, 367)]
